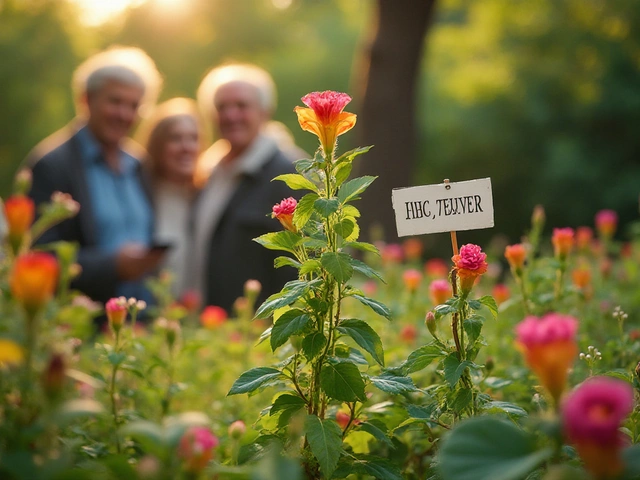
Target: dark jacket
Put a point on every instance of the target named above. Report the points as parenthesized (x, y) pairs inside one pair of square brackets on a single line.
[(62, 169), (233, 256)]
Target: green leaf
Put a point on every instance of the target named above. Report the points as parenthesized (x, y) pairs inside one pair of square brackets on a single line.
[(304, 164), (149, 434), (381, 468), (352, 189), (342, 172), (338, 265), (313, 344), (286, 404), (283, 240), (291, 322), (350, 211), (296, 181), (355, 231), (252, 380), (454, 368), (72, 410), (380, 308), (422, 357), (365, 269), (291, 292), (345, 227), (631, 460), (310, 266), (473, 327), (489, 302), (351, 154), (421, 412), (342, 381), (506, 407), (387, 382), (286, 262), (365, 336), (304, 210), (116, 359), (364, 246), (486, 448), (378, 430), (326, 206), (325, 440), (444, 309), (460, 399)]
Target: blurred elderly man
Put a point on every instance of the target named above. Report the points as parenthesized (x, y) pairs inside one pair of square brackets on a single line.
[(238, 195), (93, 164)]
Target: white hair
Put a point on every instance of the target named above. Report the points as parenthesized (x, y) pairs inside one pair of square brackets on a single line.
[(127, 65), (244, 73)]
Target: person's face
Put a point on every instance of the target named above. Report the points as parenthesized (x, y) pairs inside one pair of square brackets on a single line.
[(180, 150), (238, 114), (113, 110)]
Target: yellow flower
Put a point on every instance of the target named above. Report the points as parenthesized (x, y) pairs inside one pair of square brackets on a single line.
[(324, 117), (10, 353)]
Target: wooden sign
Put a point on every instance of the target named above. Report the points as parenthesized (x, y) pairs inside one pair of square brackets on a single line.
[(445, 207)]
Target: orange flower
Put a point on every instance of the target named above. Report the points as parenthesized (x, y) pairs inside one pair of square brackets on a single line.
[(470, 263), (33, 280), (409, 333), (581, 277), (584, 235), (439, 291), (213, 316), (549, 347), (19, 211), (325, 118), (563, 240), (412, 248), (412, 279), (501, 293), (516, 255)]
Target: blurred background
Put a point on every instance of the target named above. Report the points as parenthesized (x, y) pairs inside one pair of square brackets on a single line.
[(543, 96)]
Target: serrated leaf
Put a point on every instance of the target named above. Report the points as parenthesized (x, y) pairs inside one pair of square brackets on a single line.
[(326, 206), (342, 172), (473, 327), (303, 164), (381, 469), (351, 154), (295, 181), (342, 382), (454, 368), (252, 380), (461, 399), (283, 240), (286, 405), (378, 307), (423, 413), (355, 233), (291, 292), (365, 269), (345, 227), (313, 344), (489, 448), (325, 440), (350, 211), (286, 262), (390, 383), (290, 323), (304, 210), (365, 336), (489, 302), (364, 246), (444, 309), (310, 266), (422, 357), (338, 265), (352, 189), (375, 429)]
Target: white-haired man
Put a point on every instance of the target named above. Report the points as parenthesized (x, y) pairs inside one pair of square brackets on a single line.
[(114, 226), (234, 205)]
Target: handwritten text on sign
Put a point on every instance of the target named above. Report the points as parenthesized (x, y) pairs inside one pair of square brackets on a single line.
[(444, 207)]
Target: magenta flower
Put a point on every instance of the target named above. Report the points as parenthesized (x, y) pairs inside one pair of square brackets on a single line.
[(606, 222), (283, 211), (592, 415), (471, 258)]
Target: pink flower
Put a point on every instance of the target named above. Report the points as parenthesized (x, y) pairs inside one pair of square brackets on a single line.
[(412, 248), (196, 448), (584, 235), (237, 429), (606, 222), (392, 253), (470, 263), (563, 240), (549, 348), (116, 309), (440, 291), (283, 211), (409, 333), (412, 279), (592, 415)]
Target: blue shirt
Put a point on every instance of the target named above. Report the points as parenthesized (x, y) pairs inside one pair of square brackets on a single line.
[(121, 209)]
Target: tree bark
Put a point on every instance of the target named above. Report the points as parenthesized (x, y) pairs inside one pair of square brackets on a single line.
[(387, 80)]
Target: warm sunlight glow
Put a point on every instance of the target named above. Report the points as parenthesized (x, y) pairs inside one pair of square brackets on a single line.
[(95, 12)]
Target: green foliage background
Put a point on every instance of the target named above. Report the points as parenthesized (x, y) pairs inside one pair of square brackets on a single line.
[(543, 96)]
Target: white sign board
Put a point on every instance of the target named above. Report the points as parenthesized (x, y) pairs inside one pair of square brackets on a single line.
[(445, 207)]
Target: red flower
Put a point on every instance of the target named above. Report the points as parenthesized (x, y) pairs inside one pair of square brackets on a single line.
[(563, 240), (19, 211), (470, 263), (213, 316), (324, 117), (283, 211), (501, 293), (33, 280)]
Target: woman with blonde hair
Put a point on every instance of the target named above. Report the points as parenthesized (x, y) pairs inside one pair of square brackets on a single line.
[(172, 136)]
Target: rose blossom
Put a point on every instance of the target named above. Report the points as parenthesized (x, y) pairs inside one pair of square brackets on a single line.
[(283, 211), (470, 263)]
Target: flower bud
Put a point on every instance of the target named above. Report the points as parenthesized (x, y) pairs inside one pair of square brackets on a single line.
[(538, 217), (411, 279), (343, 419), (489, 365), (172, 332), (53, 377), (33, 280), (430, 322), (116, 309), (196, 448), (237, 429), (22, 181), (19, 211), (563, 241)]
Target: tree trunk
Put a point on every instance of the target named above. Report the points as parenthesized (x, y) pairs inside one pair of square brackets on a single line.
[(387, 84)]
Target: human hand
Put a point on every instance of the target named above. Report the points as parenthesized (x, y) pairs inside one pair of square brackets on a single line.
[(134, 260)]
